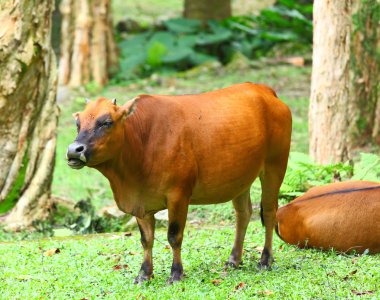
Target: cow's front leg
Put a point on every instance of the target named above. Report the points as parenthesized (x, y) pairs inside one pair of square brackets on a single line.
[(146, 226), (177, 208)]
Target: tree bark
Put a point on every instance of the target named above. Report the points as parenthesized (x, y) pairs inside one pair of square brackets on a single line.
[(330, 110), (365, 68), (88, 49), (345, 95), (28, 110), (207, 10)]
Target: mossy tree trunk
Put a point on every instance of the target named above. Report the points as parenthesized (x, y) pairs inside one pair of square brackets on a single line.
[(88, 49), (28, 111), (344, 103), (365, 68), (207, 10)]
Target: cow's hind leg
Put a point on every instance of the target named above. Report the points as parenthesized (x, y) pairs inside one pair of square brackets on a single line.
[(146, 227), (177, 208), (271, 180), (243, 211)]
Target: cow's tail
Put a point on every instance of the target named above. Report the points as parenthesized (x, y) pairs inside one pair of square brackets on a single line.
[(277, 231), (262, 222), (261, 214)]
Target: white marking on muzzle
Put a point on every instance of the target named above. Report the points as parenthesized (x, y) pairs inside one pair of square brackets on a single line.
[(83, 158)]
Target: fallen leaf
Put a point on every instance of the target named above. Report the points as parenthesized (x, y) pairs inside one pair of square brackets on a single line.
[(128, 233), (52, 252), (266, 292), (119, 267), (345, 278), (167, 247), (132, 253), (240, 286), (297, 61), (216, 281), (362, 293)]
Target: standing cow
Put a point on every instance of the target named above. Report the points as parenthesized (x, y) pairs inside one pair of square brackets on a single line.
[(344, 216), (171, 151)]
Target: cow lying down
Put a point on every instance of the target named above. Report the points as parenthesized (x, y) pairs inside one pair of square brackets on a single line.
[(344, 216)]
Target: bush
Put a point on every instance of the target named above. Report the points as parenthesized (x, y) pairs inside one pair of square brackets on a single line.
[(302, 173), (184, 43)]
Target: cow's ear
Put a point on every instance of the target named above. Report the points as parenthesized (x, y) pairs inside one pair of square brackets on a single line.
[(76, 115), (130, 107)]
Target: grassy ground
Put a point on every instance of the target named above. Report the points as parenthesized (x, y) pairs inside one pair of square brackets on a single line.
[(104, 266)]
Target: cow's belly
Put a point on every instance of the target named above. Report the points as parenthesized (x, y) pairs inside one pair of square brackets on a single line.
[(229, 162), (226, 178)]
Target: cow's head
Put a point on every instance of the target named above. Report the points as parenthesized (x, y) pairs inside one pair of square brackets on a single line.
[(100, 128)]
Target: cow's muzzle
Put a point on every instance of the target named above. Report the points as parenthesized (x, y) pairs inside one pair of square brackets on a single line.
[(76, 155)]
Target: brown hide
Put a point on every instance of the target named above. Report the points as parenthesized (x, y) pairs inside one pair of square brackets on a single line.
[(212, 146), (171, 151), (344, 216)]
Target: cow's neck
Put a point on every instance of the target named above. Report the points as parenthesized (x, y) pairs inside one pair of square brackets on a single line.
[(124, 172)]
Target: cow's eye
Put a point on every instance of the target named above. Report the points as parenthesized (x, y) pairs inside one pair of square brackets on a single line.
[(107, 124)]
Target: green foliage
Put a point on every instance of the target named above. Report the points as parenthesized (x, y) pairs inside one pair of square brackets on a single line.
[(183, 25), (184, 43), (86, 221), (367, 168), (303, 174)]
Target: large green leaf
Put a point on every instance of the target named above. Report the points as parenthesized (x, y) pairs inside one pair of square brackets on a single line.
[(155, 53), (213, 38), (198, 58), (183, 25), (165, 38), (177, 54), (133, 61), (188, 40)]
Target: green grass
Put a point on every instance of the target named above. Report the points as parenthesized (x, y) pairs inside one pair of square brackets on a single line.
[(147, 11), (84, 269)]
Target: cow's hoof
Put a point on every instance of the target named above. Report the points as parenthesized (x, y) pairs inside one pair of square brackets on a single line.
[(175, 278), (231, 264), (266, 263), (141, 278)]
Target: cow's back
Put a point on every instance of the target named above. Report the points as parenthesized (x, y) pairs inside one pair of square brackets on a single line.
[(220, 140), (344, 216)]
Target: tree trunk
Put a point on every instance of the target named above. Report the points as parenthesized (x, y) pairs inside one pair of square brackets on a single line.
[(88, 49), (365, 69), (28, 110), (207, 10), (345, 94), (330, 110)]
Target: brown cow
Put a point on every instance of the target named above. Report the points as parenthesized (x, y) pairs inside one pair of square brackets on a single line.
[(344, 216), (171, 151)]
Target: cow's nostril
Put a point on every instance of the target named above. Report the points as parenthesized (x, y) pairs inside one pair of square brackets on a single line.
[(79, 149)]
